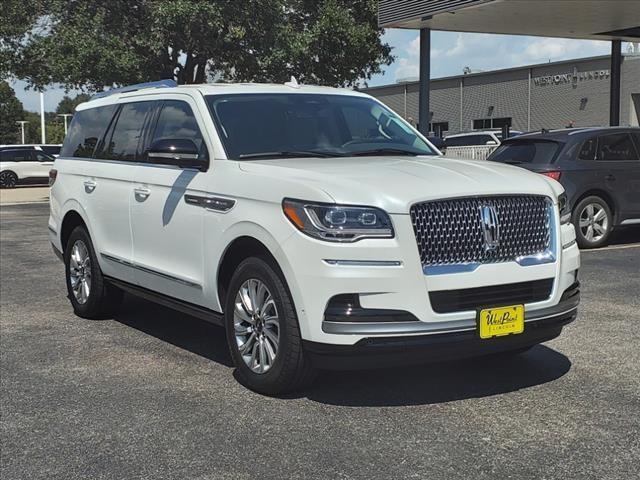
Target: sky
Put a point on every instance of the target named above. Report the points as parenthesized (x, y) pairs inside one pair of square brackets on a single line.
[(450, 53)]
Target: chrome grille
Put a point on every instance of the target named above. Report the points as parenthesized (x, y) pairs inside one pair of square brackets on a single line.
[(451, 231)]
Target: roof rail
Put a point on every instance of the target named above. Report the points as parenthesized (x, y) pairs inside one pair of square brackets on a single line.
[(138, 86)]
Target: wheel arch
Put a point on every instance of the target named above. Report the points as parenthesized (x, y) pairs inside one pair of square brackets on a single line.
[(604, 195), (73, 216), (249, 239)]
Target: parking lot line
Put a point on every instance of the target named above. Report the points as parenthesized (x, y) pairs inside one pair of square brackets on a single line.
[(613, 247)]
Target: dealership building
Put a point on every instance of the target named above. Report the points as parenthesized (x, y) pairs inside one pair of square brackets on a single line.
[(549, 95)]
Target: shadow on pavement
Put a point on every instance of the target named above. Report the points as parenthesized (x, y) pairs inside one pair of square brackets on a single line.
[(625, 235), (440, 382), (414, 385), (183, 331)]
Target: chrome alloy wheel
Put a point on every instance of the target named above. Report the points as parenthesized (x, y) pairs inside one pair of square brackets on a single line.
[(80, 271), (257, 325), (594, 222)]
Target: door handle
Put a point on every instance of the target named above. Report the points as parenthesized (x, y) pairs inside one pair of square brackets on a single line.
[(89, 186), (141, 193), (610, 177)]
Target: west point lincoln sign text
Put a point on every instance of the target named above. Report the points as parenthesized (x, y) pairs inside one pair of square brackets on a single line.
[(573, 78)]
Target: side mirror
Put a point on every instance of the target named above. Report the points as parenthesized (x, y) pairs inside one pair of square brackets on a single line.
[(491, 142), (181, 152)]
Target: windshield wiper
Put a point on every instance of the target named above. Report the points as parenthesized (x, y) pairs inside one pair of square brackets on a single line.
[(289, 154), (385, 151)]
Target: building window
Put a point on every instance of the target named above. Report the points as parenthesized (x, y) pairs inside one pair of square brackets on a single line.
[(486, 123), (439, 128)]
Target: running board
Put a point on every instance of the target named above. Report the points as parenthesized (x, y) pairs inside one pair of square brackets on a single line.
[(181, 306)]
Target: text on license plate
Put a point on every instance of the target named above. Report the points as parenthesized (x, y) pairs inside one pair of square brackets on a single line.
[(495, 322)]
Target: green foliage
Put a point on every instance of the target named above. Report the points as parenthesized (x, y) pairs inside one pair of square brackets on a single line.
[(10, 112), (93, 43), (68, 104)]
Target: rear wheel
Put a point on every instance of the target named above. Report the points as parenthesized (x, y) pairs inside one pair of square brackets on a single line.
[(90, 295), (593, 222), (8, 179), (262, 330)]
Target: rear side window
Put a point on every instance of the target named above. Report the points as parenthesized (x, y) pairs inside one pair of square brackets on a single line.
[(176, 121), (616, 146), (86, 129), (123, 141), (588, 149), (16, 156), (531, 151), (636, 137)]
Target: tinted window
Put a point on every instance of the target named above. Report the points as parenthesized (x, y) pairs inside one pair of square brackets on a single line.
[(526, 152), (42, 157), (636, 137), (468, 140), (617, 146), (124, 141), (51, 149), (588, 149), (86, 129), (176, 121), (22, 155), (329, 125)]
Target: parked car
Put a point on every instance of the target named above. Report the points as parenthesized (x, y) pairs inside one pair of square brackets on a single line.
[(50, 149), (23, 165), (436, 141), (477, 138), (598, 167), (316, 225)]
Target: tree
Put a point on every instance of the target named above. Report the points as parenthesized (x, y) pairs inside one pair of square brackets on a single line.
[(92, 43), (11, 111), (68, 104)]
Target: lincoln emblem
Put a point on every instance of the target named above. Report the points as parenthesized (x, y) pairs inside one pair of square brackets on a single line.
[(490, 227)]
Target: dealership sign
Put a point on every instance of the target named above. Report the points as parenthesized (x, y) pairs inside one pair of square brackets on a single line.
[(571, 78)]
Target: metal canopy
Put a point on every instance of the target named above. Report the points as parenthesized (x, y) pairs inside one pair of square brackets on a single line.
[(584, 19)]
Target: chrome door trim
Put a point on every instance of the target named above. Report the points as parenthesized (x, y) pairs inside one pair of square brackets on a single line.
[(151, 271), (215, 204)]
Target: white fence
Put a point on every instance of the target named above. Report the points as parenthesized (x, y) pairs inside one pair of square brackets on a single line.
[(480, 152)]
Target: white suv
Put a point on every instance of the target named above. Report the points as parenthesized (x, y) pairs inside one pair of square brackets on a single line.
[(314, 224)]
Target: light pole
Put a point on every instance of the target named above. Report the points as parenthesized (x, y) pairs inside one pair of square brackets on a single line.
[(44, 137), (65, 116), (22, 122)]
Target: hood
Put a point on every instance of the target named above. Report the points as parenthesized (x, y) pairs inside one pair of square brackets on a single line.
[(395, 183)]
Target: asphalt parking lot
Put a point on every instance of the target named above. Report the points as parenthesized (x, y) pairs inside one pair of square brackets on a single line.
[(151, 394)]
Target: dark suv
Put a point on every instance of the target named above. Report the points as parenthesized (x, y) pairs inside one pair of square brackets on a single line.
[(598, 167)]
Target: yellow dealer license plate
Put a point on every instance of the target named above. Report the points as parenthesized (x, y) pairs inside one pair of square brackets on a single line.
[(495, 322)]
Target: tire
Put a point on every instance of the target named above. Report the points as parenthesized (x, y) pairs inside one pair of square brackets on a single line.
[(8, 179), (273, 360), (90, 296), (593, 222)]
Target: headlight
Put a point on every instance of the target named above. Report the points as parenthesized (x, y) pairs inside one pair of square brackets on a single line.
[(338, 223), (565, 211)]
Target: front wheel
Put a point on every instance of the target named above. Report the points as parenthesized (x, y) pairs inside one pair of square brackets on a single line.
[(593, 222), (262, 330)]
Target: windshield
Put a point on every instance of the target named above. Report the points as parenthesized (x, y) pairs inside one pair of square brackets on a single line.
[(310, 125), (526, 151)]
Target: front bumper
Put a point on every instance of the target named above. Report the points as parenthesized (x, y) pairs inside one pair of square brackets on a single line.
[(386, 274), (439, 342)]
